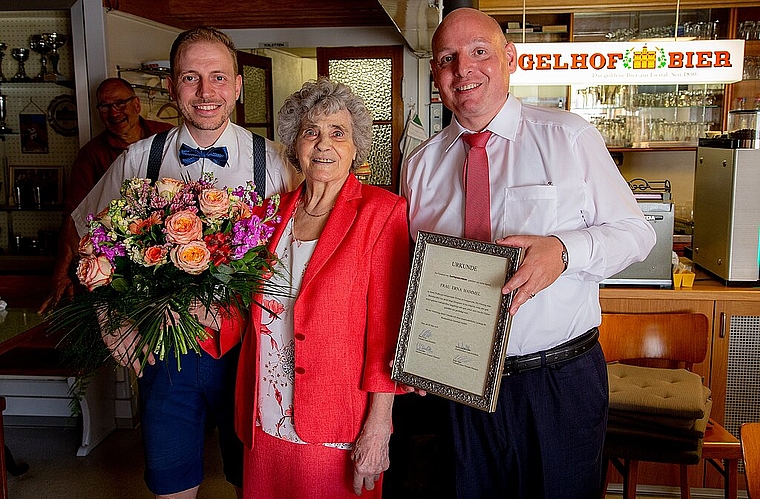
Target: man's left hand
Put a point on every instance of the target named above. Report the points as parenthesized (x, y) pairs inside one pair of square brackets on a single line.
[(541, 266)]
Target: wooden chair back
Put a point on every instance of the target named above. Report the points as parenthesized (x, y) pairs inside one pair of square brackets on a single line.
[(672, 340), (750, 438)]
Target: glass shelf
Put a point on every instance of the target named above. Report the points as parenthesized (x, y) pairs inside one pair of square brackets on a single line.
[(46, 207), (62, 83)]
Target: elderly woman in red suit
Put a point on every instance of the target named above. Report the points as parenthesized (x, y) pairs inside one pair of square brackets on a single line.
[(314, 393)]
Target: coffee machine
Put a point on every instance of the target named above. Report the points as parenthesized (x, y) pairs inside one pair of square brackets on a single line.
[(726, 201)]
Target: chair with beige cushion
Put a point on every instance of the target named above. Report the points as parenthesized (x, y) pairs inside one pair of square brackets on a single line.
[(659, 409)]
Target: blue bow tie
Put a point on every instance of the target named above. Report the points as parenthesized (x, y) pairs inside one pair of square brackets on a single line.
[(189, 155)]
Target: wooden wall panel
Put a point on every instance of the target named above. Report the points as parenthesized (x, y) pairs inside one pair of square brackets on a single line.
[(256, 14)]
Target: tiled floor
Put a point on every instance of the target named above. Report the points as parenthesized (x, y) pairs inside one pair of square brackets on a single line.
[(113, 470)]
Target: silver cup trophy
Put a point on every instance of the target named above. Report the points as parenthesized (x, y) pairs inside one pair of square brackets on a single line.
[(38, 44), (21, 55), (3, 113), (54, 41)]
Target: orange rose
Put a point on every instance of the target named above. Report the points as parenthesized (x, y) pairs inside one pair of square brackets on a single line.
[(192, 257), (85, 246), (183, 227), (94, 271), (239, 211), (214, 202), (154, 255), (168, 187)]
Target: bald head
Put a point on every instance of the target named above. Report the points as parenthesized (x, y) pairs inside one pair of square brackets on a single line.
[(119, 108), (471, 64), (465, 17), (113, 84)]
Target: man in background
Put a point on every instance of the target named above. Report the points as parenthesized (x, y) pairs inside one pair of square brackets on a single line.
[(541, 180), (119, 108)]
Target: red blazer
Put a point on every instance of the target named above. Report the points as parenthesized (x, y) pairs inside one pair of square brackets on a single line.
[(346, 316)]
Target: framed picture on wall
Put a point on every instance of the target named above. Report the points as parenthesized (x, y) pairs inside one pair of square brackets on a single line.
[(34, 133), (32, 186)]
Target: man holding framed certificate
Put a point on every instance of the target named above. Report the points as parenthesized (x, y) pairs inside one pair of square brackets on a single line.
[(542, 181)]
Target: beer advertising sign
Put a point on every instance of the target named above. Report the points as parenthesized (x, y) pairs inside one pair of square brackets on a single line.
[(644, 62)]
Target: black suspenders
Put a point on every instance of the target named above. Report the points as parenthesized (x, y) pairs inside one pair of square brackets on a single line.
[(155, 157)]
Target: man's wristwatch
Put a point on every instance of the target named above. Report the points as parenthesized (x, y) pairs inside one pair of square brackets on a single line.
[(564, 253)]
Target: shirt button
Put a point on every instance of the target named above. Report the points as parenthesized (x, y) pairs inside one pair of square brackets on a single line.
[(300, 370), (300, 337)]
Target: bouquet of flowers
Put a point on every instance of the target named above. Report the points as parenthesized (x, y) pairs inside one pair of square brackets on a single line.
[(157, 250)]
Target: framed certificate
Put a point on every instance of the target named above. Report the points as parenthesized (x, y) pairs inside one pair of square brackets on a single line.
[(455, 326)]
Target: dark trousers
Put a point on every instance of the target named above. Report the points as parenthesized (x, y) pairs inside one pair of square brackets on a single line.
[(545, 439)]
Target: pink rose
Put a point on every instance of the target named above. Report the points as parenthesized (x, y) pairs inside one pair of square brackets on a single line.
[(167, 188), (85, 246), (192, 257), (154, 255), (183, 227), (214, 202), (94, 271)]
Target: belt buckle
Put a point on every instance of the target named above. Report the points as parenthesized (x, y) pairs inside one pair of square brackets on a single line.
[(510, 366)]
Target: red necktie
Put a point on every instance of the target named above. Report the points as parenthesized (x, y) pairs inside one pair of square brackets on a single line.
[(477, 189)]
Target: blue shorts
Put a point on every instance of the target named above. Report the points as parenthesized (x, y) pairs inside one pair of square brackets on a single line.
[(176, 407)]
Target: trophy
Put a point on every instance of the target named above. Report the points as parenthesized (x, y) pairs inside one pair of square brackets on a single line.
[(3, 113), (2, 54), (54, 41), (21, 55), (38, 44)]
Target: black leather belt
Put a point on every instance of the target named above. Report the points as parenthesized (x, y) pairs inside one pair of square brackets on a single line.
[(566, 351)]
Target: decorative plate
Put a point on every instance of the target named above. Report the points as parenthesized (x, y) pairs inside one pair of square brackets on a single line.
[(62, 115)]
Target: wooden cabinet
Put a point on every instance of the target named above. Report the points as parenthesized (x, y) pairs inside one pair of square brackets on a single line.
[(735, 367), (732, 366)]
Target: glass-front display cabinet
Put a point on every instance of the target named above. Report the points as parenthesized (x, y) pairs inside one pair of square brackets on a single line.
[(650, 115), (671, 116)]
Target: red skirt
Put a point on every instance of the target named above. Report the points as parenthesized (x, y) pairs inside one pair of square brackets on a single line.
[(276, 469)]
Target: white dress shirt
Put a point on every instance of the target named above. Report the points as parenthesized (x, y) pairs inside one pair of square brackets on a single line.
[(281, 175), (550, 174)]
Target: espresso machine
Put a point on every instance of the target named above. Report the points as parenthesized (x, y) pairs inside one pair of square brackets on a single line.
[(726, 201)]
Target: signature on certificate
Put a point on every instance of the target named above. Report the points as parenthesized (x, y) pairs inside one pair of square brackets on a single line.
[(426, 335), (463, 360), (424, 349), (464, 347)]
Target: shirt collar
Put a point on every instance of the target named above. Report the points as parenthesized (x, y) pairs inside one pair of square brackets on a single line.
[(504, 124)]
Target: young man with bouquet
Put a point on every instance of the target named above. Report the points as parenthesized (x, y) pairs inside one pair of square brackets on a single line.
[(175, 402)]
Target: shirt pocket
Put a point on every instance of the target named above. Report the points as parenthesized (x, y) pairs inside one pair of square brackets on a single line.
[(530, 210)]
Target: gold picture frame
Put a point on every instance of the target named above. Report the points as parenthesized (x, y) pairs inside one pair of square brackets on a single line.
[(35, 186)]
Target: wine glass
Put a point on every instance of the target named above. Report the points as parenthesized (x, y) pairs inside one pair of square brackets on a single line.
[(54, 41), (3, 46), (38, 44), (21, 54)]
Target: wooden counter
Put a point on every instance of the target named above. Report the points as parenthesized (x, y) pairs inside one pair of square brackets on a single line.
[(734, 316), (705, 288)]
